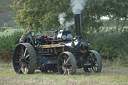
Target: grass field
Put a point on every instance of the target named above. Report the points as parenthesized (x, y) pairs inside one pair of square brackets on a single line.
[(110, 75)]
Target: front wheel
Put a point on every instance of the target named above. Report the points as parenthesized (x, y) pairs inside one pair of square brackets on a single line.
[(66, 63), (94, 62)]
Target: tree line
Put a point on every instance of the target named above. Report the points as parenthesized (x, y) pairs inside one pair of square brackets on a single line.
[(44, 13)]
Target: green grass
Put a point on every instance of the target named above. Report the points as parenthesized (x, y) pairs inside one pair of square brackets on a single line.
[(39, 78), (110, 75), (3, 65)]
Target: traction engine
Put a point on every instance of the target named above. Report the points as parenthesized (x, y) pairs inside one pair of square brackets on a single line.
[(61, 53)]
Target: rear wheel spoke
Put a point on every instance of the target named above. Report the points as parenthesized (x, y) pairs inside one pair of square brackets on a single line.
[(22, 50), (68, 71), (25, 51), (21, 67), (18, 53), (17, 61), (25, 70), (27, 56)]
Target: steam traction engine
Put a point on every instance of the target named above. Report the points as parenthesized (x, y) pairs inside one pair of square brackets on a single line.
[(59, 53)]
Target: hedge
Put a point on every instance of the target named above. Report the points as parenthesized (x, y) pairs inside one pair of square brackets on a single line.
[(7, 45), (109, 45)]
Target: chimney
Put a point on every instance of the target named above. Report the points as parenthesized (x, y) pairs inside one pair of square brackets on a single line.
[(78, 26)]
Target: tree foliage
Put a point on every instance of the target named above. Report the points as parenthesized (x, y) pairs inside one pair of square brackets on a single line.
[(44, 13), (114, 9), (39, 14)]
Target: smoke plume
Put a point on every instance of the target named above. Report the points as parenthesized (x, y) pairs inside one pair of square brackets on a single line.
[(63, 22), (69, 23), (61, 18), (77, 6)]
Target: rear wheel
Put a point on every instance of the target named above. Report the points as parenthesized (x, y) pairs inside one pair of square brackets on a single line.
[(66, 63), (24, 59), (94, 62)]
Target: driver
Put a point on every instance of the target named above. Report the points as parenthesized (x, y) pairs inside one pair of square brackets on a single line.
[(27, 34)]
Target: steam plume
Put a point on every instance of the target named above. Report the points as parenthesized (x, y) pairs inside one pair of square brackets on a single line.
[(63, 22), (61, 18), (69, 23), (78, 6)]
